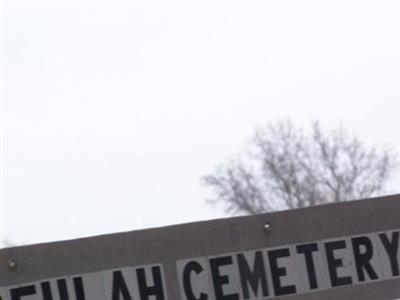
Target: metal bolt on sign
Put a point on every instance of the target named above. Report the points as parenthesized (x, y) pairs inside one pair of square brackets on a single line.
[(267, 228), (12, 265)]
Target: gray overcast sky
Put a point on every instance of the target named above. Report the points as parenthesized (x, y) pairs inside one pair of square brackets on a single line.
[(111, 111)]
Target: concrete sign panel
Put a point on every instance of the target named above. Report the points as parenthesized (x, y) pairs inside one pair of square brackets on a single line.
[(341, 251)]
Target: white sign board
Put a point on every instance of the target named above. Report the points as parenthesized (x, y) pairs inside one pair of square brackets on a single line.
[(341, 251)]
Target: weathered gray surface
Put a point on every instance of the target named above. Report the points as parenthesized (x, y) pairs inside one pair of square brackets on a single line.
[(169, 244)]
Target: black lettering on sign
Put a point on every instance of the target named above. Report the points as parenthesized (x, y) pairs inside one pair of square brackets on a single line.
[(255, 275), (220, 280), (145, 290), (335, 263), (363, 258), (19, 292), (277, 272), (191, 267), (62, 289), (392, 248), (119, 287), (79, 290), (46, 290), (307, 250)]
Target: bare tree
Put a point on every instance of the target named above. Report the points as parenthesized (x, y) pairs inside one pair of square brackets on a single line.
[(286, 168)]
